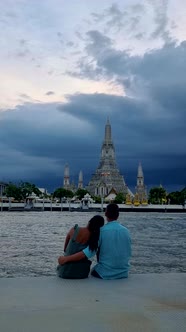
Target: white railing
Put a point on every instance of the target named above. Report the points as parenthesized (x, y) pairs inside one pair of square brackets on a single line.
[(70, 205)]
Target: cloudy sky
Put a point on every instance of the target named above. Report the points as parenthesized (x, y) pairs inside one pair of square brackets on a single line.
[(66, 66)]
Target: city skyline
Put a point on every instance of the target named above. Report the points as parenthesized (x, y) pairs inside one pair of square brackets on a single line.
[(66, 67)]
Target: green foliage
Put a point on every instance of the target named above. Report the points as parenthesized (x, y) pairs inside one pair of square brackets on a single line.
[(13, 191), (80, 193), (21, 191), (97, 199), (62, 192), (157, 195), (120, 198), (177, 197), (37, 192), (28, 188)]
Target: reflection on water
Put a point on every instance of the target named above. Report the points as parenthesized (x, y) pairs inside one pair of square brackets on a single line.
[(30, 242)]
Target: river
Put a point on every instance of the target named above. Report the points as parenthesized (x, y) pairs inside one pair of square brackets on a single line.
[(30, 242)]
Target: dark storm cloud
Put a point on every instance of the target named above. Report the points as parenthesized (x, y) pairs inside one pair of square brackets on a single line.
[(145, 77), (60, 37), (97, 39), (161, 20), (25, 96), (148, 121), (133, 123), (152, 115), (50, 93), (23, 53), (157, 78), (139, 36), (96, 45), (22, 42), (37, 140), (70, 44), (131, 20), (138, 8), (99, 47), (73, 132), (116, 19), (38, 130)]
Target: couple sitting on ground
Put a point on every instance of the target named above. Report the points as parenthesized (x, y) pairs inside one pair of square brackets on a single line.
[(110, 242)]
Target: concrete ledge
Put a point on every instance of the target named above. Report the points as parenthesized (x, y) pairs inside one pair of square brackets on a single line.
[(145, 302)]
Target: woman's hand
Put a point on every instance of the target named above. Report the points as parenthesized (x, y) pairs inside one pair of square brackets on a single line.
[(62, 260)]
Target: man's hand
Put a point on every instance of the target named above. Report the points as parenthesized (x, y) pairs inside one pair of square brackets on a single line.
[(62, 260), (72, 258)]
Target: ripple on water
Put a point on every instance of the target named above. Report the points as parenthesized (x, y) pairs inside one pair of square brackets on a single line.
[(31, 242)]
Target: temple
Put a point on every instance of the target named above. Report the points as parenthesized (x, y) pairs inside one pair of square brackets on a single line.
[(107, 181), (67, 184), (107, 176), (66, 180), (141, 192), (80, 180)]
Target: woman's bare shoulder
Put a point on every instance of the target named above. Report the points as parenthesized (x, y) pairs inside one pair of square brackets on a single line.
[(71, 232)]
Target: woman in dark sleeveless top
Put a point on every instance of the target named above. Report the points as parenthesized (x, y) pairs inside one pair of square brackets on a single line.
[(77, 239)]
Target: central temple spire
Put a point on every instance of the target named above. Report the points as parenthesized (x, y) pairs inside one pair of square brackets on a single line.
[(108, 135), (107, 160), (107, 175)]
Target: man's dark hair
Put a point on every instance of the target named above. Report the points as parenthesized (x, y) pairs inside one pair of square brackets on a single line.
[(112, 211)]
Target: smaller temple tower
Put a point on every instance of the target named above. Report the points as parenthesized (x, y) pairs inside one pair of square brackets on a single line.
[(80, 181), (66, 181), (69, 184), (141, 193)]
